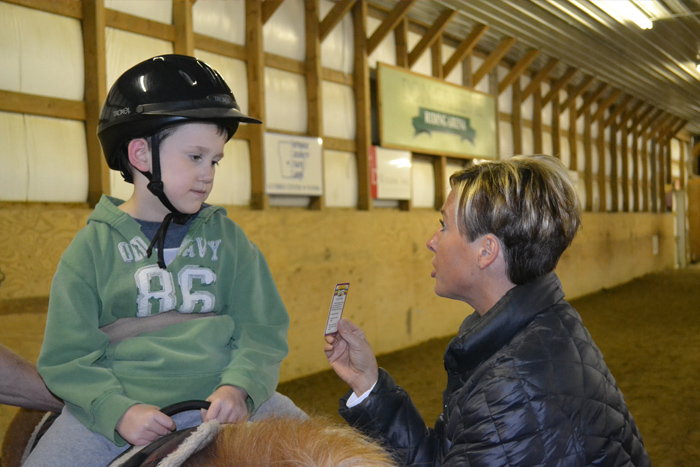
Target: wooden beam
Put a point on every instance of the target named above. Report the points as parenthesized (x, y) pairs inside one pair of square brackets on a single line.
[(430, 36), (588, 157), (636, 200), (493, 59), (591, 98), (645, 170), (667, 129), (363, 131), (658, 125), (94, 50), (70, 8), (614, 185), (314, 94), (573, 141), (556, 135), (401, 40), (676, 128), (576, 92), (558, 85), (268, 9), (42, 105), (138, 25), (517, 119), (390, 22), (652, 118), (518, 69), (602, 170), (465, 48), (536, 81), (335, 16), (605, 104), (536, 121), (256, 101), (440, 170), (436, 59), (619, 108), (218, 46), (183, 24), (638, 117)]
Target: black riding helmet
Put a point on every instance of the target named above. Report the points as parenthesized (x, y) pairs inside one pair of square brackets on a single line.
[(158, 93)]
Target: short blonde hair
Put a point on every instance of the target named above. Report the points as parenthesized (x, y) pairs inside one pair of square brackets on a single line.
[(527, 202)]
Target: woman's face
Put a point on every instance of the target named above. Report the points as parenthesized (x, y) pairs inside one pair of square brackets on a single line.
[(455, 260)]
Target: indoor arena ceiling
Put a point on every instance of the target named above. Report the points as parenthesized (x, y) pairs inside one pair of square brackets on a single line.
[(657, 65)]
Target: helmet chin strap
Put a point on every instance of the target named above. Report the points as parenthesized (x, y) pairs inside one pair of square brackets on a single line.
[(155, 186)]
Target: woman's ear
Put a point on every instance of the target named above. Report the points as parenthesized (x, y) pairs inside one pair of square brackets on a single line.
[(489, 251), (139, 154)]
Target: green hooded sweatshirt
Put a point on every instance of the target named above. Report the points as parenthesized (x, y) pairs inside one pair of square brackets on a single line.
[(104, 276)]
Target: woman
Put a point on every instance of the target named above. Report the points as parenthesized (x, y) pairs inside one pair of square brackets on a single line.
[(526, 384)]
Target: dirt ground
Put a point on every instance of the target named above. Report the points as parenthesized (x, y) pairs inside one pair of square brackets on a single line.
[(649, 332)]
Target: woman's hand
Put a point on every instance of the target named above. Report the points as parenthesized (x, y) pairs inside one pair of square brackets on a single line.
[(352, 358)]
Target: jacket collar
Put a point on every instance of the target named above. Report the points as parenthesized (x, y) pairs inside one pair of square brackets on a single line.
[(481, 336)]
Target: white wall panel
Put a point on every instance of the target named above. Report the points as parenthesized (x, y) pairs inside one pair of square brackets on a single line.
[(595, 164), (222, 19), (285, 101), (10, 50), (340, 179), (455, 75), (564, 116), (126, 49), (565, 155), (424, 63), (57, 160), (155, 10), (232, 184), (547, 109), (234, 73), (482, 85), (386, 50), (505, 140), (423, 184), (40, 53), (338, 48), (505, 99), (580, 156), (528, 141), (338, 111), (14, 177), (284, 33), (547, 144)]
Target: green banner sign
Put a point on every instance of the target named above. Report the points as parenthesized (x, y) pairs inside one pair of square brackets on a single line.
[(427, 115)]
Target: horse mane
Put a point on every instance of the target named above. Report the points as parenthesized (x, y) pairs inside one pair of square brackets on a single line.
[(282, 442)]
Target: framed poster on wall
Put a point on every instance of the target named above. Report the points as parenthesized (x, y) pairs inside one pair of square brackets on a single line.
[(427, 115), (293, 165)]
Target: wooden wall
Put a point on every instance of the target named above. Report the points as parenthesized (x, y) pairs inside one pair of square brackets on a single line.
[(382, 255)]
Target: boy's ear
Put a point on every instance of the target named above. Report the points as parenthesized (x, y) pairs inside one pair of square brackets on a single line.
[(139, 154)]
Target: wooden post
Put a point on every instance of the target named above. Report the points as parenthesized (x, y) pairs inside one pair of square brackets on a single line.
[(313, 70), (94, 24), (362, 105), (256, 102)]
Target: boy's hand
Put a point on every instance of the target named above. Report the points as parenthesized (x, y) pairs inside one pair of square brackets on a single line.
[(143, 424), (227, 405)]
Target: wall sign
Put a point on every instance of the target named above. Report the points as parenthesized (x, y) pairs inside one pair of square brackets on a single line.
[(390, 173), (424, 114), (293, 165)]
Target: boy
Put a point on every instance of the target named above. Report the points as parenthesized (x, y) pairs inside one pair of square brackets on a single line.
[(129, 332)]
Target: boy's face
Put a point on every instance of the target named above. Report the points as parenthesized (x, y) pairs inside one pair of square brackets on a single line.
[(188, 160)]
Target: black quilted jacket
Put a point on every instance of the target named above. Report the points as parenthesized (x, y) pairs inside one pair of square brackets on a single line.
[(526, 386)]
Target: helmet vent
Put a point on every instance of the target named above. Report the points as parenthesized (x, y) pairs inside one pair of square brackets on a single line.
[(188, 78)]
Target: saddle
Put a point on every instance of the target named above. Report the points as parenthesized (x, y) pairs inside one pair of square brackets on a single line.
[(171, 450)]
